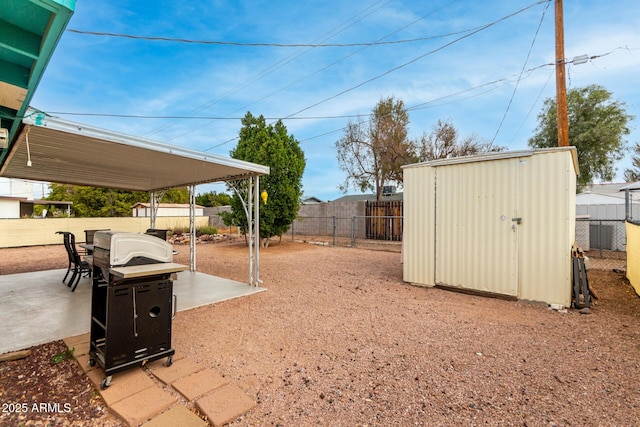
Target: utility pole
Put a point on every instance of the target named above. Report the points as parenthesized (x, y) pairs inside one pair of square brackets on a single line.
[(561, 84)]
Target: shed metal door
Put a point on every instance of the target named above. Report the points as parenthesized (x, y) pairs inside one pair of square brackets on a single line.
[(476, 234)]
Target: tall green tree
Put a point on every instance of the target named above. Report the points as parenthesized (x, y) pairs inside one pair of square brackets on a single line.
[(173, 195), (632, 174), (444, 142), (272, 146), (108, 202), (212, 198), (372, 152), (597, 127)]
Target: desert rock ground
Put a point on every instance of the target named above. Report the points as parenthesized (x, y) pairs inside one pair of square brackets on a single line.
[(340, 340)]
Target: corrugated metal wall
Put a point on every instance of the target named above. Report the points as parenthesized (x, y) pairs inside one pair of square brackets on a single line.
[(548, 186), (475, 242), (418, 240), (502, 224)]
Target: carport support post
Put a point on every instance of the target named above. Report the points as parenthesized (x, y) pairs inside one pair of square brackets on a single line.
[(192, 228), (254, 230), (250, 226), (256, 204), (252, 211), (154, 209)]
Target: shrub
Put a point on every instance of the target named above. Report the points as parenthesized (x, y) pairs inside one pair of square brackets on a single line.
[(207, 229)]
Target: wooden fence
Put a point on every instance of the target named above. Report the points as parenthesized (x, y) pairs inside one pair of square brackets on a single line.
[(384, 220)]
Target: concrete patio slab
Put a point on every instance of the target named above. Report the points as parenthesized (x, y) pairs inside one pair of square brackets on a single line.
[(36, 308), (225, 404), (143, 406)]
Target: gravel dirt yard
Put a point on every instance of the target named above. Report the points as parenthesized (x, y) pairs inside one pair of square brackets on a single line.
[(340, 340)]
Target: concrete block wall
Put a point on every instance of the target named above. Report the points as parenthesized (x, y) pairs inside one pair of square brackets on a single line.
[(316, 219)]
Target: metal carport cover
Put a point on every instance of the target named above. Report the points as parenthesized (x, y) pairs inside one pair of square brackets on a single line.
[(54, 150)]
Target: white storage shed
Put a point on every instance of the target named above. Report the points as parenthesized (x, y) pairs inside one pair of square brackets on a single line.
[(498, 223)]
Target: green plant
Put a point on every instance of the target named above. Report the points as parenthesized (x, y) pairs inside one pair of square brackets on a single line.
[(207, 229), (60, 357), (180, 230)]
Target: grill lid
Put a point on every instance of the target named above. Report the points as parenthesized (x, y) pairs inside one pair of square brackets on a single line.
[(126, 247)]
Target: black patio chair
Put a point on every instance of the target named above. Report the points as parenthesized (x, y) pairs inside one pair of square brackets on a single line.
[(77, 266), (65, 237), (88, 234), (157, 232)]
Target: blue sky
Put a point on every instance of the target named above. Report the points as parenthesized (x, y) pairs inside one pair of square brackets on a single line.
[(474, 80)]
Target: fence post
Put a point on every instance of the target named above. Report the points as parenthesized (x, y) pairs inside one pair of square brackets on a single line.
[(353, 231), (293, 233), (335, 236), (600, 237)]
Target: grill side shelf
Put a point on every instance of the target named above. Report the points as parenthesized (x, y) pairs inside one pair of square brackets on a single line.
[(134, 271)]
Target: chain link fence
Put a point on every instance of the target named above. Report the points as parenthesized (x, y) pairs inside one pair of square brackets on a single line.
[(604, 242), (347, 232)]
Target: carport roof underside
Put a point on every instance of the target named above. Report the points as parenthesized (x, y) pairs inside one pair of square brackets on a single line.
[(66, 152)]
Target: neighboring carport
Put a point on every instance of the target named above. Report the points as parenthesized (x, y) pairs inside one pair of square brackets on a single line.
[(54, 150)]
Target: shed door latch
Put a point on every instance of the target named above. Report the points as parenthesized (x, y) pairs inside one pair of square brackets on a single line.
[(517, 220)]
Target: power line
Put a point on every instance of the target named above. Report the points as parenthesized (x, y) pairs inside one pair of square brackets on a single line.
[(245, 44), (142, 116), (333, 63), (426, 104), (373, 8), (219, 118), (343, 116), (535, 102), (484, 27), (515, 88), (324, 68), (366, 45), (345, 57)]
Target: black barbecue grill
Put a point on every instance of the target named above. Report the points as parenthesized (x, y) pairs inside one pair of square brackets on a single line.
[(132, 302)]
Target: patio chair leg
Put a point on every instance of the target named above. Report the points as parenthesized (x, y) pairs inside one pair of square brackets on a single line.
[(76, 284), (73, 277), (69, 268)]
